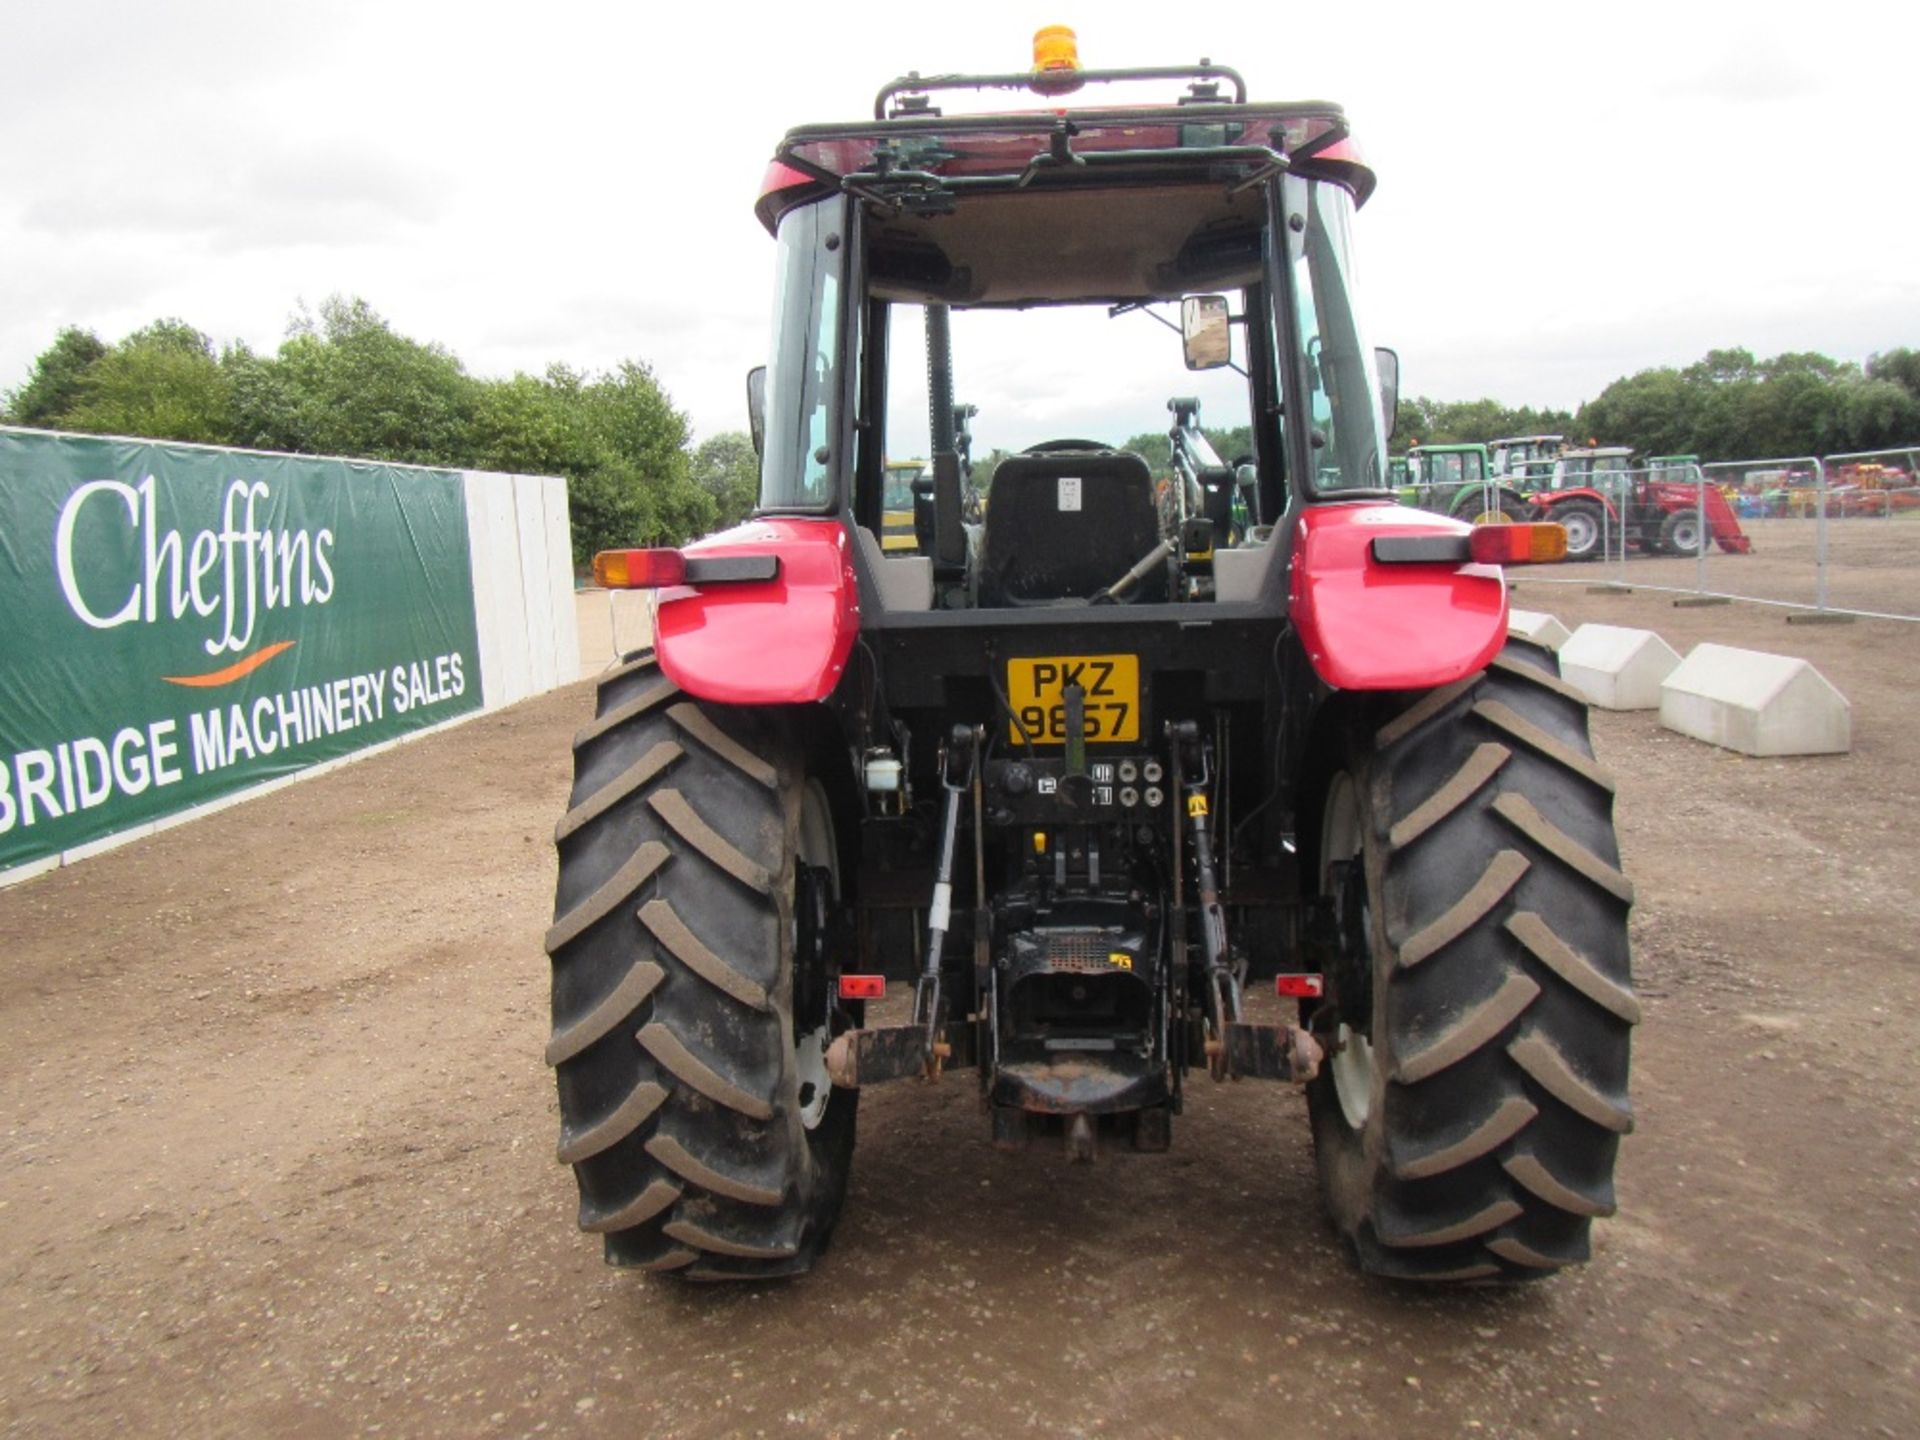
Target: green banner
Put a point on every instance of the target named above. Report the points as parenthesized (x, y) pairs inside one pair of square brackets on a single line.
[(178, 623)]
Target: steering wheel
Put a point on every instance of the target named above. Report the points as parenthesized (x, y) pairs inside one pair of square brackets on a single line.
[(1050, 447)]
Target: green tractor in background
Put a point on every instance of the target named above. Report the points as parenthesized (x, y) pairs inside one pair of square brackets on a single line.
[(1458, 480)]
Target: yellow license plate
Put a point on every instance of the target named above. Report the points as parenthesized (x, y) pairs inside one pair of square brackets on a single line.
[(1037, 690)]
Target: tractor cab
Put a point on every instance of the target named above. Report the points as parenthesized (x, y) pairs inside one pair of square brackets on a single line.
[(1037, 263), (1458, 480), (1672, 469), (1607, 469), (1449, 464), (1525, 461)]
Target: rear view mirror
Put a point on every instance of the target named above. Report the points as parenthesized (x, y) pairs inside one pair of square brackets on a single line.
[(1204, 332), (757, 408), (1387, 364)]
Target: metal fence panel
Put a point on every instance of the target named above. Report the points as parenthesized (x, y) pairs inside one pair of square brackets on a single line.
[(1836, 534)]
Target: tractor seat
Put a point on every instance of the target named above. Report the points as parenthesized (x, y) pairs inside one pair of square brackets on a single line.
[(1065, 524)]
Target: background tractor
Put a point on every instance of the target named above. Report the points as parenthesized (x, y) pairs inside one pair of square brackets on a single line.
[(1458, 480), (896, 518), (1525, 461), (1605, 503), (1053, 799)]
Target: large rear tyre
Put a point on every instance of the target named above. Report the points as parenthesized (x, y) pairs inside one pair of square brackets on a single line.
[(1466, 1123), (691, 1004), (1584, 521)]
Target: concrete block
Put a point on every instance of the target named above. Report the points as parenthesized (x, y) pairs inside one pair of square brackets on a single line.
[(1537, 626), (1756, 703), (1616, 667)]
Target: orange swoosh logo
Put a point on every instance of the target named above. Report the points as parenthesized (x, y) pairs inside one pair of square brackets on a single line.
[(234, 671)]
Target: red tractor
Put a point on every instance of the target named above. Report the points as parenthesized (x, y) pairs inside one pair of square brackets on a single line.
[(1074, 782), (1605, 503)]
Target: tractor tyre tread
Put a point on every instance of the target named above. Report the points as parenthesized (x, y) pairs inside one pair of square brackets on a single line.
[(1503, 1000), (673, 1041)]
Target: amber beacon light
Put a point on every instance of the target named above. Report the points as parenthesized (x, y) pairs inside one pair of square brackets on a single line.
[(1056, 60)]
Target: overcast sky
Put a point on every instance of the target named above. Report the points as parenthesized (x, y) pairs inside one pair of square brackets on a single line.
[(1567, 193)]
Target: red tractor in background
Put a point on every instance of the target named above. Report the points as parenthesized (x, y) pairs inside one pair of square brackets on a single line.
[(1605, 504), (1083, 772)]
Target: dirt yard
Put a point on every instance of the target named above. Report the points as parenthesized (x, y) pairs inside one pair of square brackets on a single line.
[(278, 1152), (1873, 564)]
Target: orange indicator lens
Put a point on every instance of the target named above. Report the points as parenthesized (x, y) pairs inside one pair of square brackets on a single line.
[(1530, 544), (639, 569)]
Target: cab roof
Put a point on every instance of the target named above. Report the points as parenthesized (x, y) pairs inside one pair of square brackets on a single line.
[(924, 159)]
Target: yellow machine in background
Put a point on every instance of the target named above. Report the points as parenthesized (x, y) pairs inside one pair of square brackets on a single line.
[(896, 524)]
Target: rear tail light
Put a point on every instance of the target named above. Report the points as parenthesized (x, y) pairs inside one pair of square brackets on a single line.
[(639, 569), (863, 987), (1534, 543), (1300, 987)]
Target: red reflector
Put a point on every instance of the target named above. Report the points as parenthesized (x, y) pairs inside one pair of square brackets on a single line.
[(1527, 544), (863, 987), (639, 569), (1300, 987)]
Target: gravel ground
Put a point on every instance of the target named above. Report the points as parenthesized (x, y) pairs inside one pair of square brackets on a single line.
[(277, 1151)]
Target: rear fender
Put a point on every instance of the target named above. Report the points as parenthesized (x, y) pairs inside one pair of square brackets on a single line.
[(1547, 500), (1369, 626), (783, 641)]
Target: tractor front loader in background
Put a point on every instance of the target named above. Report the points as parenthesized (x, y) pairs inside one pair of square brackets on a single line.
[(1102, 754)]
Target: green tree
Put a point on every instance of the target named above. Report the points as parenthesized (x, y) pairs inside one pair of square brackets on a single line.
[(532, 426), (54, 384), (1156, 446), (1900, 367), (161, 382), (1468, 422), (636, 489), (264, 404), (1656, 411), (1412, 421), (349, 385), (727, 469), (1877, 413), (1724, 367), (984, 466)]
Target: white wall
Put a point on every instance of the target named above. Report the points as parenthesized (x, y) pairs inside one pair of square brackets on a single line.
[(522, 550)]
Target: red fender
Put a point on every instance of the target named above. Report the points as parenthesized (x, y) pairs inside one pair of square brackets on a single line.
[(783, 641), (1368, 626), (1545, 500)]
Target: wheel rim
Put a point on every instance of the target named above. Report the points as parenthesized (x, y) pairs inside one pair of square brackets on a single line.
[(1581, 531), (810, 1038), (1686, 536), (1352, 1067)]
